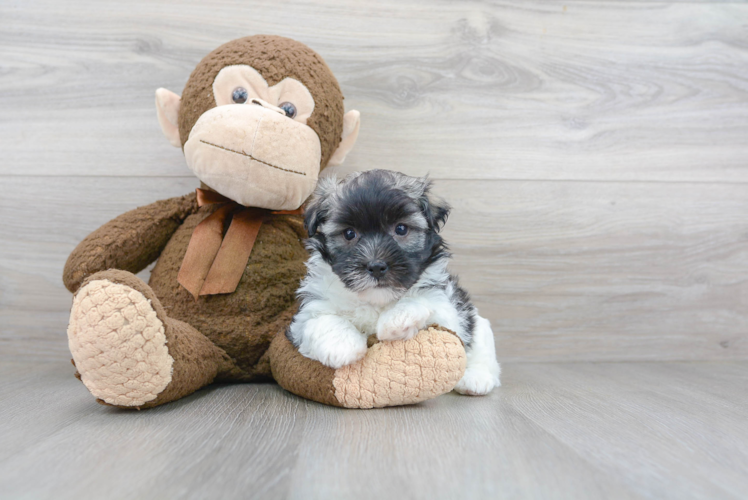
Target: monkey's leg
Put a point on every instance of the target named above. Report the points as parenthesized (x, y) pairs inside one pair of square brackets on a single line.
[(128, 353), (393, 373)]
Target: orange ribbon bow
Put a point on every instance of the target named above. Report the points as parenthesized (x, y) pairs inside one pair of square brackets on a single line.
[(215, 263)]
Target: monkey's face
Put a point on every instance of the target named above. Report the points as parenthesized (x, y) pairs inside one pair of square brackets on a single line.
[(260, 143), (255, 146)]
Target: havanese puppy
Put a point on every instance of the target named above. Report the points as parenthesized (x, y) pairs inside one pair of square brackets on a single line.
[(378, 266)]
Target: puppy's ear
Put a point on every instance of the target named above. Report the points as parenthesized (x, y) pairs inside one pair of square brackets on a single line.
[(318, 206), (435, 209), (314, 216)]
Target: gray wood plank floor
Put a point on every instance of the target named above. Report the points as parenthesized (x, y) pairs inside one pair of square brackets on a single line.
[(576, 430)]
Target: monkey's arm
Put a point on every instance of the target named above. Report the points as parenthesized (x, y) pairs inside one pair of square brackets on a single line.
[(129, 242), (392, 373)]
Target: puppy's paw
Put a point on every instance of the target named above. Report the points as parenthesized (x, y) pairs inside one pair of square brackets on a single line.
[(402, 321), (477, 381), (338, 355), (332, 341)]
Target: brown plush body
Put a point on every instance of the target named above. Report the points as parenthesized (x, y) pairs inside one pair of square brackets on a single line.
[(139, 345), (244, 322)]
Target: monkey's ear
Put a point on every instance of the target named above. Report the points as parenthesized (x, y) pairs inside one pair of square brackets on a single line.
[(351, 124), (167, 108)]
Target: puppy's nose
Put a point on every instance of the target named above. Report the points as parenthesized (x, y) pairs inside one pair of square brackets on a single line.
[(377, 268)]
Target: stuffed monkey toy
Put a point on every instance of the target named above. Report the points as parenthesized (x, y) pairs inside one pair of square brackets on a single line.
[(258, 119)]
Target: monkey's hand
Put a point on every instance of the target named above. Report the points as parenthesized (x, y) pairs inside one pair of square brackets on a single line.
[(129, 242)]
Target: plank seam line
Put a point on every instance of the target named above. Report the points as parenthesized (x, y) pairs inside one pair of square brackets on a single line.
[(449, 179)]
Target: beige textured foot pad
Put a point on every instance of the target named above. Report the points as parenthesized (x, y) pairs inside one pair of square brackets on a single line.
[(391, 374), (402, 372), (118, 344)]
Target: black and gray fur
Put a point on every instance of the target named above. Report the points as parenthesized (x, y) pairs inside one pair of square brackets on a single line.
[(372, 204)]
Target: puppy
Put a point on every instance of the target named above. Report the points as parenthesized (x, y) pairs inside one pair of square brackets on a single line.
[(378, 266)]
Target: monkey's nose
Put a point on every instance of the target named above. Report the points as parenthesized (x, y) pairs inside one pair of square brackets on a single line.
[(267, 105), (377, 268)]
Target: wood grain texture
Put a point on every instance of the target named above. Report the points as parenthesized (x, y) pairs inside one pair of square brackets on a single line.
[(499, 90), (605, 271), (564, 271), (576, 430), (594, 152), (685, 428)]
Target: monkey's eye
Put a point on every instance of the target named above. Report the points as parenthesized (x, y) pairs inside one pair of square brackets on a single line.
[(349, 234), (401, 229), (239, 95), (288, 108)]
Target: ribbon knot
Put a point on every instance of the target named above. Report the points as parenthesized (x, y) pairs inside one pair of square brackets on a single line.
[(215, 263)]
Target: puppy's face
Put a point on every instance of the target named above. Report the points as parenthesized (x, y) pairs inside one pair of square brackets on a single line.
[(378, 230)]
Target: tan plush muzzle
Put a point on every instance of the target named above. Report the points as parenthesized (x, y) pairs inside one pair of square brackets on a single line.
[(255, 156)]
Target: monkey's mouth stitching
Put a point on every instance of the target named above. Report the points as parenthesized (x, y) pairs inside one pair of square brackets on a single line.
[(252, 157)]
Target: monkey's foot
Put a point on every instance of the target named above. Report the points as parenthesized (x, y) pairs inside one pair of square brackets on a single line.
[(118, 344), (392, 373), (128, 353)]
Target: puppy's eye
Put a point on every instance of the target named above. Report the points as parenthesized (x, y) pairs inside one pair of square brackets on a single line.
[(288, 108), (401, 229), (239, 95), (349, 234)]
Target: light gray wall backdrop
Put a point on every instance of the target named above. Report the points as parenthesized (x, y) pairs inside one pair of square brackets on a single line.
[(596, 153)]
